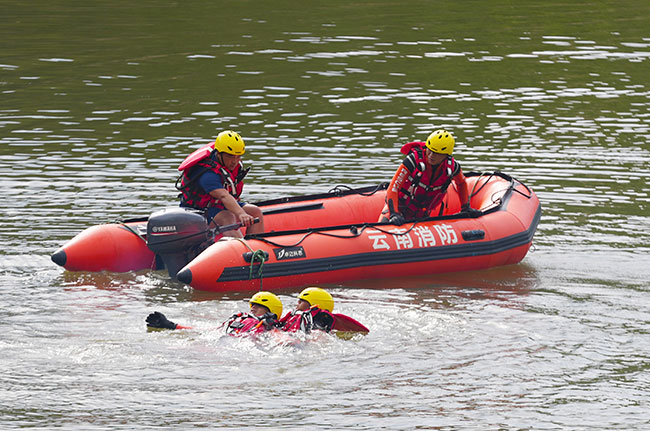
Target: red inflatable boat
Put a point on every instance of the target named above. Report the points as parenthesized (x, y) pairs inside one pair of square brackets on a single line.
[(316, 239)]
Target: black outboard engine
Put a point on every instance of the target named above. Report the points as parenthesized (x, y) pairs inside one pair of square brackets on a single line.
[(178, 235)]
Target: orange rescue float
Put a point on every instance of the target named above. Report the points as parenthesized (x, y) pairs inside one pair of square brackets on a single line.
[(357, 249)]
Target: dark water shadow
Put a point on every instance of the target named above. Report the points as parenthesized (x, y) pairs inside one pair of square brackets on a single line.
[(505, 281), (157, 288)]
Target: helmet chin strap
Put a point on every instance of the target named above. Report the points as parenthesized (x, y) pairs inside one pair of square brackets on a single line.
[(220, 155)]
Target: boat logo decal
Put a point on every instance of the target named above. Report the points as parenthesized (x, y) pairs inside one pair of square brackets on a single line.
[(289, 253), (157, 229), (423, 236)]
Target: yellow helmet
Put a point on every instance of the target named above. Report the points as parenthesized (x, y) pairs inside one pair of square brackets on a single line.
[(441, 141), (318, 297), (268, 300), (230, 142)]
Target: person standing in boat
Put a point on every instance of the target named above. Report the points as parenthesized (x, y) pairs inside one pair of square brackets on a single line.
[(212, 181), (265, 308), (421, 181), (313, 311)]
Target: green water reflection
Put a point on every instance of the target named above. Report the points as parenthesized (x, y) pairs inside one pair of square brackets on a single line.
[(554, 93)]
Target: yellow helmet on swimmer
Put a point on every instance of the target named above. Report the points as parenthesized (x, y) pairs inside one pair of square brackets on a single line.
[(318, 297), (230, 142), (441, 142), (268, 300)]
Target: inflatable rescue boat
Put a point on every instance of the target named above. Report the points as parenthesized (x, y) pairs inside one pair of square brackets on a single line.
[(319, 239)]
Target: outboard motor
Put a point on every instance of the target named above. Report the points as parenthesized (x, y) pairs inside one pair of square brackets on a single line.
[(178, 235)]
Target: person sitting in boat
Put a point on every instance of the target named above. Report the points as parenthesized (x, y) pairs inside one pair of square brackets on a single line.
[(420, 182), (313, 311), (265, 307), (212, 180)]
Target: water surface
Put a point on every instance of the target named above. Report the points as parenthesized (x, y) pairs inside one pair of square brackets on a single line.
[(100, 103)]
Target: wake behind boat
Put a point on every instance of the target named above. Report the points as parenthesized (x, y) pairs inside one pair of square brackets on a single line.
[(315, 239)]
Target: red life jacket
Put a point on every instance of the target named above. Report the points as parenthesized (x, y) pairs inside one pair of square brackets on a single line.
[(314, 318), (241, 324), (193, 195), (421, 193)]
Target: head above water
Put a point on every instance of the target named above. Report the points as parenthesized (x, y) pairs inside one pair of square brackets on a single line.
[(315, 296), (441, 142), (269, 301), (230, 142)]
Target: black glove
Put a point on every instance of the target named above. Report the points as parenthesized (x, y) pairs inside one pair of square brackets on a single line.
[(323, 321), (397, 219), (270, 320), (158, 320), (472, 212)]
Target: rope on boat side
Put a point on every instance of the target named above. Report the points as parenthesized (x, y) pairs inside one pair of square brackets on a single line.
[(353, 229), (341, 188), (357, 231), (256, 256)]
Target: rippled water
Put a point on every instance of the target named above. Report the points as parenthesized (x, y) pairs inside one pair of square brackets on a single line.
[(100, 103)]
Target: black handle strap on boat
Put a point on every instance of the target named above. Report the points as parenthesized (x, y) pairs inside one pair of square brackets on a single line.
[(294, 208), (342, 189), (133, 220), (133, 231)]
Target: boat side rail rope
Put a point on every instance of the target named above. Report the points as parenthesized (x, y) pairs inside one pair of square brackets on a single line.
[(354, 230), (505, 176), (482, 175), (497, 200), (337, 191), (342, 189), (530, 193), (498, 196)]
